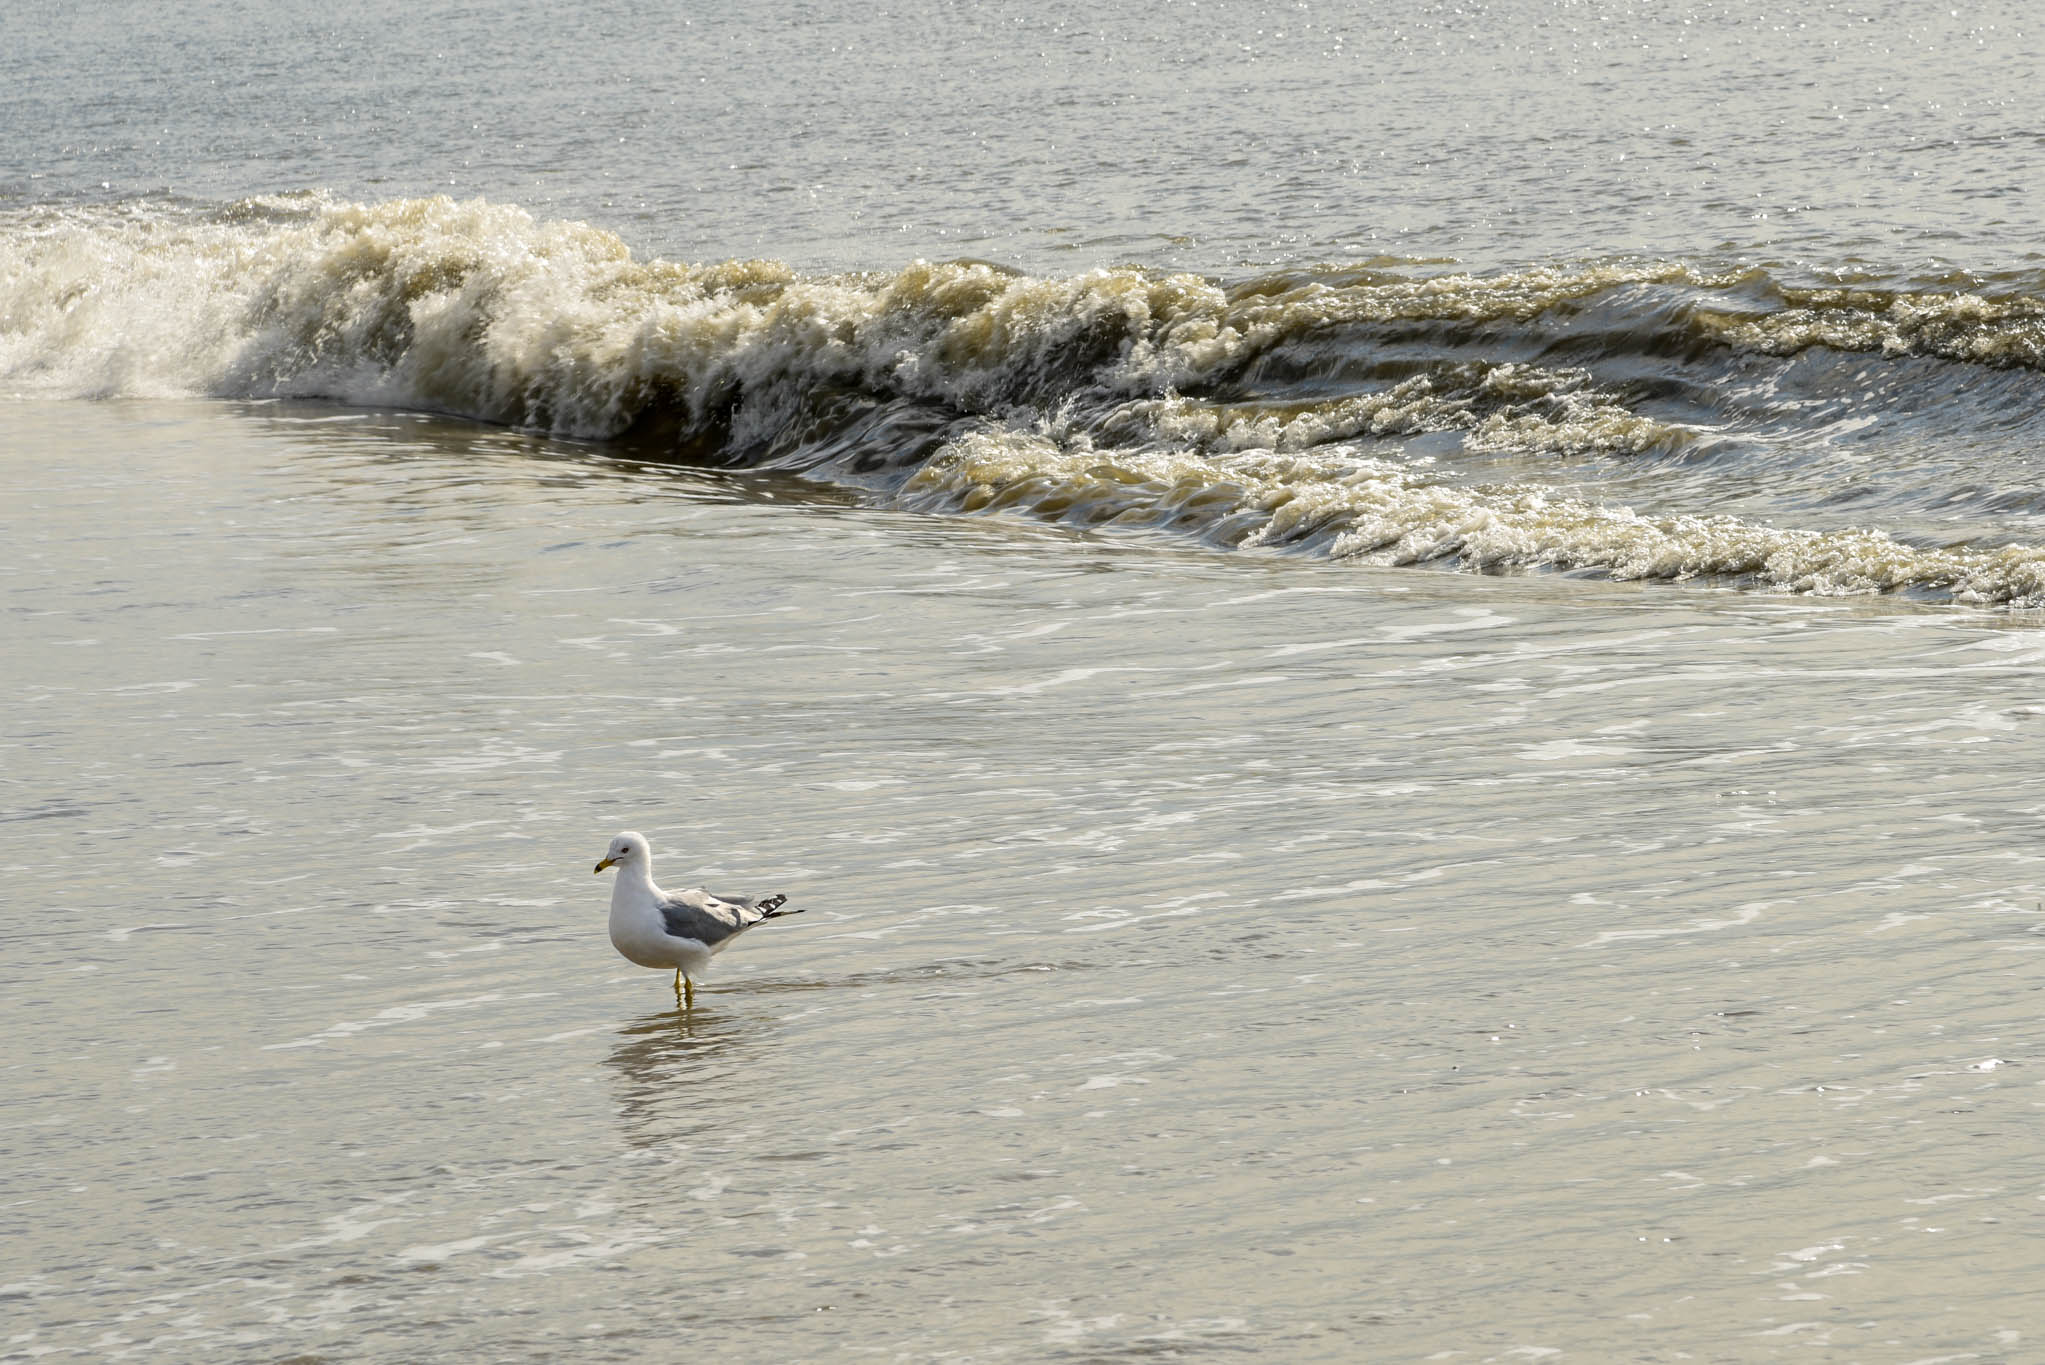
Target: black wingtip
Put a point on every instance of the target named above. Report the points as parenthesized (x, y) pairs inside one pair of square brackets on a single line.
[(771, 907)]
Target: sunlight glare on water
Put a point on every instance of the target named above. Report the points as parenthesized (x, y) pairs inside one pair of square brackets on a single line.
[(1199, 956)]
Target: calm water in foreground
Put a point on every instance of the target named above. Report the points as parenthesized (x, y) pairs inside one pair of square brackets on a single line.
[(1207, 955)]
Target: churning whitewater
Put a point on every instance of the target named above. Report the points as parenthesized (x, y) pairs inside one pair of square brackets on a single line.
[(1631, 419)]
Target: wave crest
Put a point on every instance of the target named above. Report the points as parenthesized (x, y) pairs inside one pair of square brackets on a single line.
[(1304, 410)]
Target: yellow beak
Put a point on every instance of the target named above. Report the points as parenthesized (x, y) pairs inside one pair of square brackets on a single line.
[(605, 863)]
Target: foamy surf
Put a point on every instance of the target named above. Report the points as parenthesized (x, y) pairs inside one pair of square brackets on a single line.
[(1347, 505), (1595, 420)]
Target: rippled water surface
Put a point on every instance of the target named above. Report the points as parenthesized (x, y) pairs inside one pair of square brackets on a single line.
[(1394, 652), (1204, 955), (1216, 135)]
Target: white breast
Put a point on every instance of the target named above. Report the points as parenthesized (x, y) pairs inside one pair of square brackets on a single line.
[(639, 934)]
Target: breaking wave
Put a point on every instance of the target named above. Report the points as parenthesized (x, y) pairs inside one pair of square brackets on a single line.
[(1642, 420)]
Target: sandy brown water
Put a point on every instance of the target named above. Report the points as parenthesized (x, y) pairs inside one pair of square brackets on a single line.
[(1206, 955)]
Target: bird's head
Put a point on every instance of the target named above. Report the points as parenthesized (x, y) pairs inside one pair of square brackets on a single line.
[(624, 849)]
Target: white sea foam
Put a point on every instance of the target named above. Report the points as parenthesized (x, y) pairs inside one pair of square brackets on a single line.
[(1244, 414), (1347, 504)]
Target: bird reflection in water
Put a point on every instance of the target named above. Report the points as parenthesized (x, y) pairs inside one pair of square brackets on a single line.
[(669, 1064)]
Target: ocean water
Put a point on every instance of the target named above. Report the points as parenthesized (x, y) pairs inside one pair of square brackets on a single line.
[(1395, 657)]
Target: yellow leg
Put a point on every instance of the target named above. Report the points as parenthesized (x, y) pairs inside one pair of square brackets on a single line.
[(690, 987)]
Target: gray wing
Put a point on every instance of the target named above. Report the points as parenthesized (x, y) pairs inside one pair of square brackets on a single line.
[(707, 918)]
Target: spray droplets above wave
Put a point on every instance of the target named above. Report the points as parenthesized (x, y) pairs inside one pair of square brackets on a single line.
[(1498, 422)]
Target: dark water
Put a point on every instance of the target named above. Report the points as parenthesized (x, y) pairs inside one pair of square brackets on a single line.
[(1394, 656)]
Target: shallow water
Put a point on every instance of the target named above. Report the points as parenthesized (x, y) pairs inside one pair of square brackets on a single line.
[(1203, 954), (1395, 657)]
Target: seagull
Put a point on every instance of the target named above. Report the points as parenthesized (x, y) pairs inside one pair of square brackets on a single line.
[(682, 929)]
